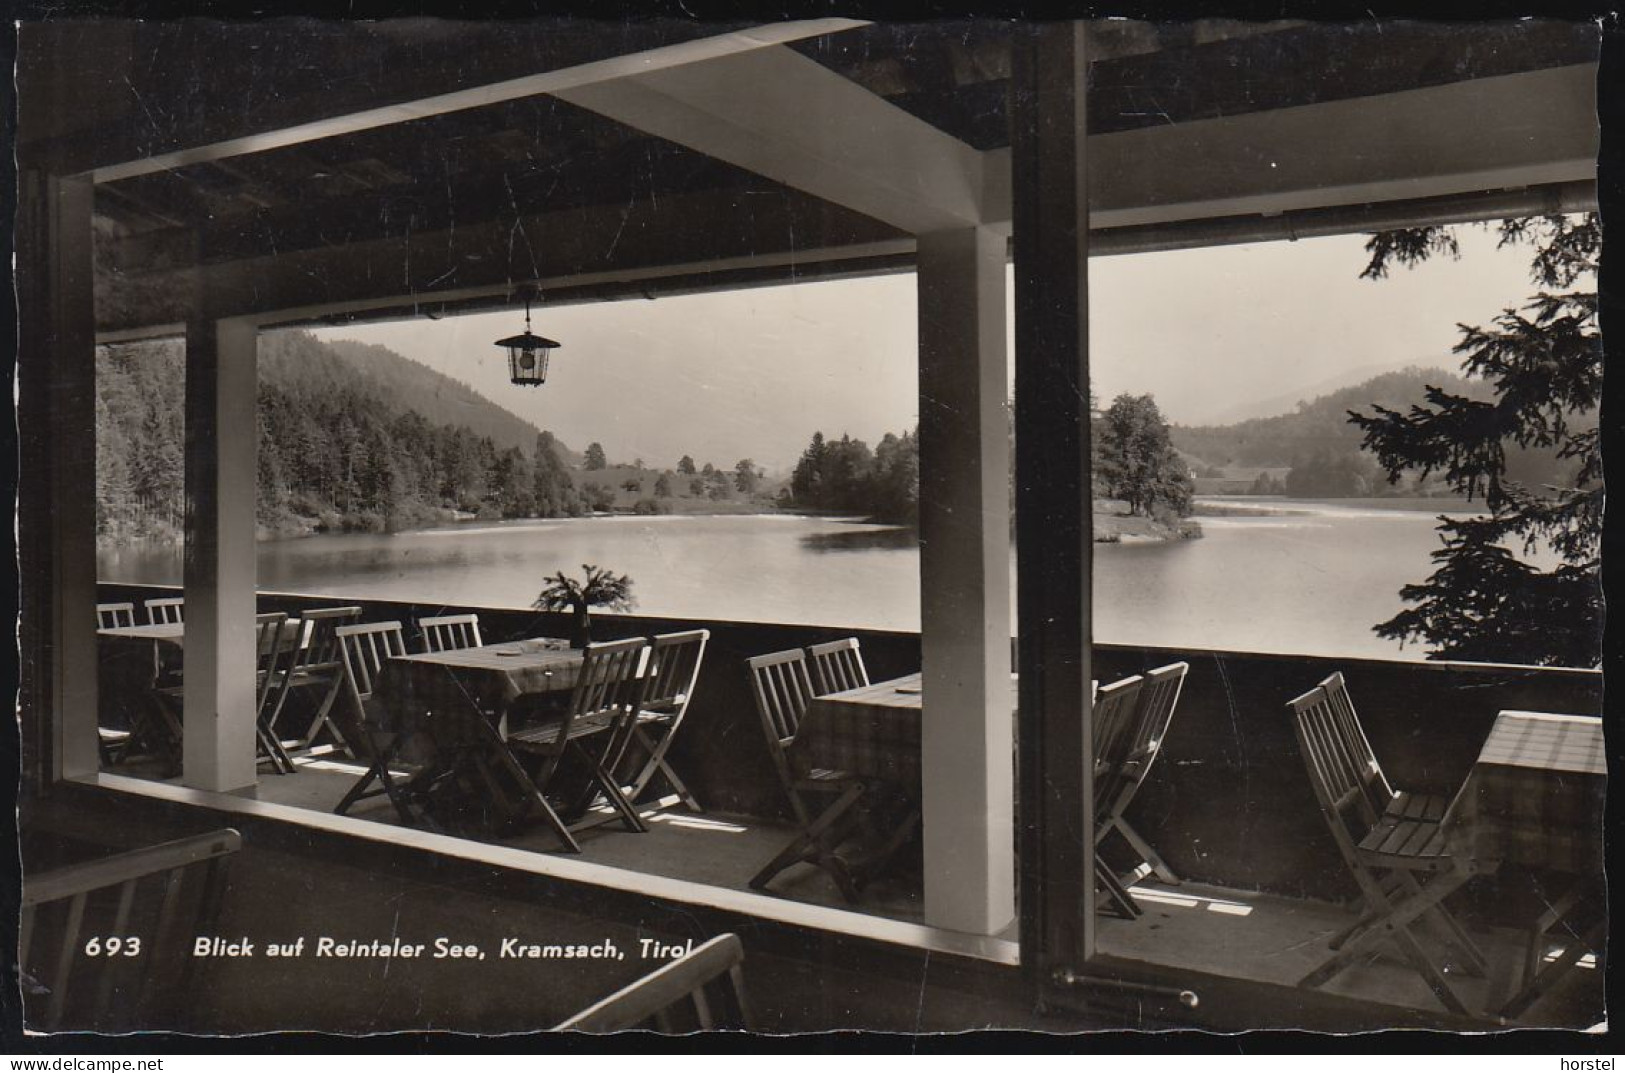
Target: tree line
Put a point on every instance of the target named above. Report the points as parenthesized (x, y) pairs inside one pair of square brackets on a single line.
[(331, 455), (845, 475), (1134, 461)]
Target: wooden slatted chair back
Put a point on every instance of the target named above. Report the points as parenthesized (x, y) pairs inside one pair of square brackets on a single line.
[(703, 990), (111, 616), (782, 687), (446, 633), (365, 649), (673, 669), (607, 682), (1378, 793), (1114, 710), (1159, 695), (838, 666), (165, 895), (321, 650), (1334, 773), (165, 609), (273, 649)]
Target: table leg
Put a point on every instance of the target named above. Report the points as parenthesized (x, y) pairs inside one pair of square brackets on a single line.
[(1535, 979)]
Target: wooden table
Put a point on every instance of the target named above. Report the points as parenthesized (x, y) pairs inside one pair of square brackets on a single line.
[(174, 632), (1534, 799), (416, 688), (168, 639), (134, 657), (132, 661), (448, 708), (872, 731)]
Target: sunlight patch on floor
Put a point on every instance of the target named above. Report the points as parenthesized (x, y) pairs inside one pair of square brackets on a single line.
[(1586, 961), (1182, 900), (698, 823)]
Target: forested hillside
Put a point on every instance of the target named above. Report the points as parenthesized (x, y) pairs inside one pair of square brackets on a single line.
[(1320, 424), (406, 384), (1321, 447), (338, 449)]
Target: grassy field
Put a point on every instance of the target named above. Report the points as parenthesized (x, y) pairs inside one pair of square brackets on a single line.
[(1113, 523), (617, 481)]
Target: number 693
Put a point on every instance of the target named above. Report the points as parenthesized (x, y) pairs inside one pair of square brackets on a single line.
[(113, 946)]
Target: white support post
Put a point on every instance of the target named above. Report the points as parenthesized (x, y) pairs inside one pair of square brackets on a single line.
[(221, 380), (965, 582)]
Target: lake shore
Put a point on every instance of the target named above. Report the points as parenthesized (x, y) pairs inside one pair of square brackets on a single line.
[(1285, 506), (1251, 584), (1112, 523), (1113, 528)]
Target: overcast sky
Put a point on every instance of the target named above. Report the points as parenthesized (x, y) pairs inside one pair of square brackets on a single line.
[(1215, 335)]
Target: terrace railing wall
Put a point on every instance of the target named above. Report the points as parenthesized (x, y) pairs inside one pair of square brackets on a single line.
[(1228, 802)]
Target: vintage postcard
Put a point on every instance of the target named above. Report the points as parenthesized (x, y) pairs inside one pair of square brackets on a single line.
[(795, 525)]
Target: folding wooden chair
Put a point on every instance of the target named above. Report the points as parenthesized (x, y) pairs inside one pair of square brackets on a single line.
[(118, 897), (146, 730), (364, 649), (781, 686), (166, 609), (668, 685), (319, 665), (1115, 707), (112, 616), (1383, 799), (1159, 693), (601, 703), (155, 720), (837, 666), (703, 990), (444, 633), (1403, 867), (273, 648)]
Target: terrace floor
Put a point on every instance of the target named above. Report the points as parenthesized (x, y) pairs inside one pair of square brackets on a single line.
[(1251, 936)]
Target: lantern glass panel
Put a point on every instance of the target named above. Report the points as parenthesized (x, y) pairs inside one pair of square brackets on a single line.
[(527, 358)]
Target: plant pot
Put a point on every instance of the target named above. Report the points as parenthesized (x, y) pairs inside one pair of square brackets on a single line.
[(580, 628)]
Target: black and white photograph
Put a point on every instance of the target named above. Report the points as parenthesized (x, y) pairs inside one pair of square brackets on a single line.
[(808, 524)]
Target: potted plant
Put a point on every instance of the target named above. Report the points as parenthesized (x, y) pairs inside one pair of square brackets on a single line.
[(599, 588)]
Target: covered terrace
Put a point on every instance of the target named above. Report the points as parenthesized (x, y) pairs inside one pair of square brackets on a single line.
[(673, 157)]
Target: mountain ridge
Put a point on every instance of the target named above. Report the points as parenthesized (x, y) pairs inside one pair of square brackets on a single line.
[(1318, 424)]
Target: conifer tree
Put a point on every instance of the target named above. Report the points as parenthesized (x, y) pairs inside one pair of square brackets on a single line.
[(1486, 599)]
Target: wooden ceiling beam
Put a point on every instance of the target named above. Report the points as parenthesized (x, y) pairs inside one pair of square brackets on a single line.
[(645, 239), (776, 113), (504, 189), (675, 55), (1433, 142)]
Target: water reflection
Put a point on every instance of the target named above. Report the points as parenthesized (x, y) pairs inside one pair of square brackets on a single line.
[(866, 538), (1312, 582)]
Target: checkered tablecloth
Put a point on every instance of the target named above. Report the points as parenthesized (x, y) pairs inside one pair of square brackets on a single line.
[(412, 690), (872, 732), (1534, 797)]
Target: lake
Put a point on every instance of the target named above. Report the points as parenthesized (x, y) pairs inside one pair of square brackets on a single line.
[(1312, 582)]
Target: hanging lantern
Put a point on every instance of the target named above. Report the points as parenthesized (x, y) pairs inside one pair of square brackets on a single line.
[(527, 354)]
